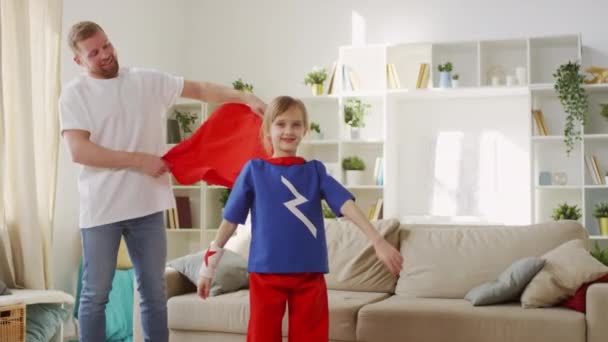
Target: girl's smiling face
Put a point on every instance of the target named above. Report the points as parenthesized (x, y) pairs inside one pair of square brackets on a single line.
[(287, 131)]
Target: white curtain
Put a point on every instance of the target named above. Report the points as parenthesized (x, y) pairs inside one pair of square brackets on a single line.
[(30, 49)]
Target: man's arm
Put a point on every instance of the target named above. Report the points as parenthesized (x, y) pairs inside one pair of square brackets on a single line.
[(215, 93), (86, 152)]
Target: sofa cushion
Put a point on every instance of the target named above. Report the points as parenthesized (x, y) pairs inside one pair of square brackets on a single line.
[(567, 268), (231, 274), (229, 313), (510, 283), (456, 320), (448, 262), (353, 265)]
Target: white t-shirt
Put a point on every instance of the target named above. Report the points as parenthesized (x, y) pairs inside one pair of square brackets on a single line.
[(125, 113)]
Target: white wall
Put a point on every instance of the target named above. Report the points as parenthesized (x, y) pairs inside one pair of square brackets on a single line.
[(273, 43)]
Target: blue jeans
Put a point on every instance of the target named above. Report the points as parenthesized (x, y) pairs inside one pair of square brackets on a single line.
[(147, 244)]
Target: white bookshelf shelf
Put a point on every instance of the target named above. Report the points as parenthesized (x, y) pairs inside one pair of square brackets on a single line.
[(184, 231), (186, 187), (320, 142), (365, 187), (598, 237), (558, 187)]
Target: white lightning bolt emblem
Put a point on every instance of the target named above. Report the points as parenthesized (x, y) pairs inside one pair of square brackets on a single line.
[(291, 205)]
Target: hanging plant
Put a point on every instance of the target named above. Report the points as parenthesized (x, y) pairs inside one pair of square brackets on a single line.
[(572, 96)]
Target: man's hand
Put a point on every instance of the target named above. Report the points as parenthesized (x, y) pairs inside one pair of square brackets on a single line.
[(151, 165), (202, 287), (389, 256), (257, 105)]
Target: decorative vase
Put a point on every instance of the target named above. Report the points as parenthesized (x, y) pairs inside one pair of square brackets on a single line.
[(317, 89), (316, 136), (355, 133), (354, 177), (560, 178), (603, 221), (445, 79), (520, 74)]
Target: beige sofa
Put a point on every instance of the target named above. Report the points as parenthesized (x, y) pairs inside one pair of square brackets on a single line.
[(425, 304)]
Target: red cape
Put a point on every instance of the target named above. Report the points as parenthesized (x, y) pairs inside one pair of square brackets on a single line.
[(219, 149)]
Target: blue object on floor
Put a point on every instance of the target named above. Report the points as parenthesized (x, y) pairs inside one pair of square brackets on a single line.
[(119, 310)]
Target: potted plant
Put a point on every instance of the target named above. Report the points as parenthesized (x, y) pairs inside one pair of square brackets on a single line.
[(606, 178), (327, 212), (572, 96), (566, 212), (224, 194), (600, 212), (445, 71), (242, 86), (354, 112), (185, 120), (604, 111), (599, 254), (455, 79), (353, 166), (315, 79), (315, 131)]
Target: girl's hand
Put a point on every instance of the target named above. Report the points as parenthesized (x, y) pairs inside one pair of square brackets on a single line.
[(389, 255), (202, 287)]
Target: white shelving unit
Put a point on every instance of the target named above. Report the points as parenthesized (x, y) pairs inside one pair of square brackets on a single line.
[(415, 118), (205, 207), (550, 155), (426, 135)]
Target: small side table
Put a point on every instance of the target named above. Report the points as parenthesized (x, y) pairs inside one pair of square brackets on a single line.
[(26, 297)]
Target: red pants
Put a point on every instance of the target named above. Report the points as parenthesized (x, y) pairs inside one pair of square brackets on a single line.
[(306, 295)]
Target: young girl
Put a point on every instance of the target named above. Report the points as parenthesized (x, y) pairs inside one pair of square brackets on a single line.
[(288, 253)]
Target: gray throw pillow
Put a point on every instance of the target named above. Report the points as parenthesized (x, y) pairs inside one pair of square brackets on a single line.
[(231, 274), (3, 289), (510, 283)]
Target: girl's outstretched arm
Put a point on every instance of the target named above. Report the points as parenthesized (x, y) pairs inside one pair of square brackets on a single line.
[(385, 252), (212, 258)]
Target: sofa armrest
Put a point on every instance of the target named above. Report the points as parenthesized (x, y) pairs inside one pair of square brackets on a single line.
[(597, 312), (175, 284)]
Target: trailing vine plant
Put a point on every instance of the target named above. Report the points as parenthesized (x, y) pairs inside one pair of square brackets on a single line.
[(573, 98)]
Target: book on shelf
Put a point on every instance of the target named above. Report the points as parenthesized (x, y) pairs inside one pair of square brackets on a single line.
[(332, 78), (379, 171), (391, 77), (539, 119), (598, 171), (591, 169), (172, 220), (594, 170), (183, 211), (350, 80), (424, 73), (376, 210)]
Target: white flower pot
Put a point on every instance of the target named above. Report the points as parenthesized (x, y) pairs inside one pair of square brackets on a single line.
[(454, 83), (354, 177), (355, 133)]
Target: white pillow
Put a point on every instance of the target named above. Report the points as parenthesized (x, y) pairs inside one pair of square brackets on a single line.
[(239, 242), (567, 267)]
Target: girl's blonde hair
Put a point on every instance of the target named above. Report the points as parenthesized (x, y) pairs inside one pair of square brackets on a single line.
[(276, 107)]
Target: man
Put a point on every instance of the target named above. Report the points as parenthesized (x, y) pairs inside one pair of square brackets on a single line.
[(112, 121)]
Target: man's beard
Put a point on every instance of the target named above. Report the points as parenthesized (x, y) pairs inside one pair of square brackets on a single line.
[(110, 70)]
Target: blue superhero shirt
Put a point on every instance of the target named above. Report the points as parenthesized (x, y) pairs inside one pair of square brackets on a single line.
[(284, 195)]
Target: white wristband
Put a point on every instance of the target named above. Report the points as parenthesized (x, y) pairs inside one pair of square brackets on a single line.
[(211, 260)]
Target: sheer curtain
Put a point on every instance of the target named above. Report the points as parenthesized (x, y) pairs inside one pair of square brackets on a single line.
[(30, 32)]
